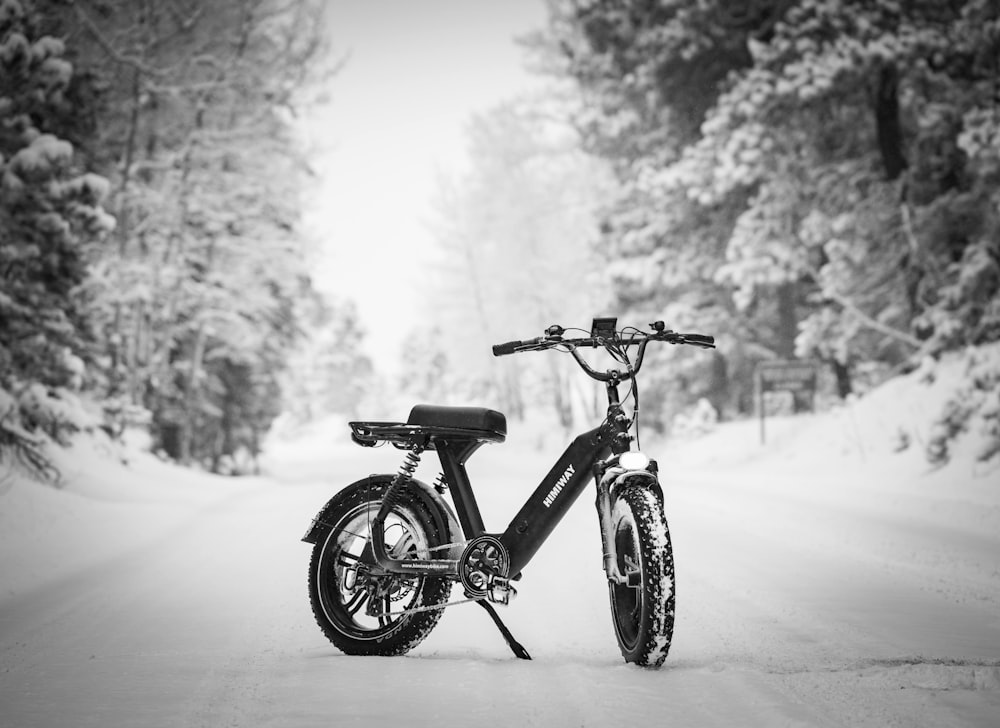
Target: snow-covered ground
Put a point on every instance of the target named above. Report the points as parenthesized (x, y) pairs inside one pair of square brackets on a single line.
[(824, 579)]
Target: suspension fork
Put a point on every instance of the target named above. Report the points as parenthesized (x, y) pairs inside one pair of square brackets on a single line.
[(608, 477), (603, 504), (607, 484)]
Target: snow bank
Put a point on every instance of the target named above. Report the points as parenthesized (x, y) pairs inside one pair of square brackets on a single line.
[(104, 508), (892, 426)]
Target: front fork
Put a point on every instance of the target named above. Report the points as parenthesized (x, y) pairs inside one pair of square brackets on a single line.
[(607, 484)]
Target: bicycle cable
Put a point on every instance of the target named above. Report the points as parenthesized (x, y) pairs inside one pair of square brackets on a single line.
[(618, 350), (633, 391)]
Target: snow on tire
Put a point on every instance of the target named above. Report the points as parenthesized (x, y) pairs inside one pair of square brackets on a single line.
[(365, 613), (642, 609)]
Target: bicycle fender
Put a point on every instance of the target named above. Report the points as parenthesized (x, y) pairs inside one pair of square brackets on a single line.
[(444, 516), (618, 480)]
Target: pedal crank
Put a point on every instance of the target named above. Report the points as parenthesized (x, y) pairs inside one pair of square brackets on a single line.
[(484, 568)]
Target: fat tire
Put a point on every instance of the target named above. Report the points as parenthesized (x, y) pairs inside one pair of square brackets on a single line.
[(359, 502), (643, 615)]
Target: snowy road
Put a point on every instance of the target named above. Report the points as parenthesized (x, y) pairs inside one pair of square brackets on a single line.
[(805, 600)]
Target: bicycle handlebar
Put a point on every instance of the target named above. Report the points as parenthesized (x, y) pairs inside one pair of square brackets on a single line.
[(548, 342), (638, 338)]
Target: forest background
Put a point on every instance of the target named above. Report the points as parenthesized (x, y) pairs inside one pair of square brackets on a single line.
[(802, 178)]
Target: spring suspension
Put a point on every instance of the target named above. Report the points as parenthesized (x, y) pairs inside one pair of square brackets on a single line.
[(441, 484), (406, 471)]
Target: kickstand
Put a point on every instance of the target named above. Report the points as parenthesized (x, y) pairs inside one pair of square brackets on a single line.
[(516, 647)]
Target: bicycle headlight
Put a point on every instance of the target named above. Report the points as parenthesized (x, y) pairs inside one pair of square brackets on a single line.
[(633, 460)]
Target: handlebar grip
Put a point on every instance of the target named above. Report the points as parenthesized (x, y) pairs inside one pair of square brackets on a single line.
[(701, 339), (503, 349)]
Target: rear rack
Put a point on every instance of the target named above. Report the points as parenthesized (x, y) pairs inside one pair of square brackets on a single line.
[(403, 435)]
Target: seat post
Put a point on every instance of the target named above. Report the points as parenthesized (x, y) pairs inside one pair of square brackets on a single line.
[(453, 457)]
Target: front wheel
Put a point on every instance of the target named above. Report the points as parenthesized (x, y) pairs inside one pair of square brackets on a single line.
[(642, 607)]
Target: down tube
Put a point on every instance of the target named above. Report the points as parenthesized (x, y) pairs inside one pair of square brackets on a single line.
[(553, 497)]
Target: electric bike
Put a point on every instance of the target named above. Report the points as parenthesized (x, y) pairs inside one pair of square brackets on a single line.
[(388, 549)]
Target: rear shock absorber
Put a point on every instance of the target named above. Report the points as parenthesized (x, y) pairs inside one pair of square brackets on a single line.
[(392, 496), (395, 492)]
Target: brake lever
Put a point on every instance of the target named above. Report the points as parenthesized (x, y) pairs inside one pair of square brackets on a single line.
[(539, 343)]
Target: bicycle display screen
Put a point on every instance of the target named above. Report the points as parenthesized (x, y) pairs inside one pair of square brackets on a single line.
[(604, 328)]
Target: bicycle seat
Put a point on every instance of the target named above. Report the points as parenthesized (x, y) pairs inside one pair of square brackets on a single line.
[(478, 419)]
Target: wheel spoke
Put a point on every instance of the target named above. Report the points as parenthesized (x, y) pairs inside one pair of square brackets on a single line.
[(384, 619), (362, 536), (356, 602), (348, 559)]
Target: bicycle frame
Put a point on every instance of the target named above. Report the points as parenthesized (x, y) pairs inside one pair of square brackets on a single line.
[(544, 508)]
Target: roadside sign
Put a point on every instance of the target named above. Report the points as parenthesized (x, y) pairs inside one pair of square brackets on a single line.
[(785, 375)]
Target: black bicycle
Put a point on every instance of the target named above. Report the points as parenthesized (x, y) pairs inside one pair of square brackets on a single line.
[(388, 549)]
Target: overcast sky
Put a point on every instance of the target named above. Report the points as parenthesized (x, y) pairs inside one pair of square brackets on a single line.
[(416, 72)]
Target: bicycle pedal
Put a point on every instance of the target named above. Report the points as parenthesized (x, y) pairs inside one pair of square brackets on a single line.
[(500, 591)]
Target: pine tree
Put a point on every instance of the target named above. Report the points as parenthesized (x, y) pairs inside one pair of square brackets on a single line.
[(518, 230), (831, 165), (196, 301), (51, 225)]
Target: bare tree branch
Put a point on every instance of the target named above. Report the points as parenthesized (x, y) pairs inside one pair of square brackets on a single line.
[(860, 315), (113, 52)]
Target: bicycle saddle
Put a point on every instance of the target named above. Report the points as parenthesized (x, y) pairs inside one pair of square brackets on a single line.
[(461, 418)]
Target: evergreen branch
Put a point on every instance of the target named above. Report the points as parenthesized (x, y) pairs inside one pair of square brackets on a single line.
[(25, 451)]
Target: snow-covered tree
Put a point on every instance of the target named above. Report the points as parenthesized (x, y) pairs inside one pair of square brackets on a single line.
[(830, 165), (845, 134), (51, 224), (194, 103), (517, 230), (327, 372), (428, 372), (647, 73)]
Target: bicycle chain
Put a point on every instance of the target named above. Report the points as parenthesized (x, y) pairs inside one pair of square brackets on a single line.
[(426, 553), (417, 610)]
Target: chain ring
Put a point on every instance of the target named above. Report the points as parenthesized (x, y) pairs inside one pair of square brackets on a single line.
[(484, 557)]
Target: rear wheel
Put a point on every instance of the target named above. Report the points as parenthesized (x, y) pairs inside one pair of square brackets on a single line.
[(361, 609), (642, 608)]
